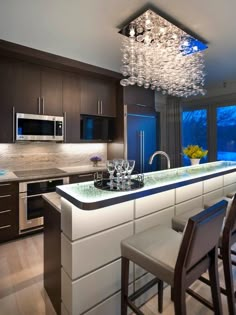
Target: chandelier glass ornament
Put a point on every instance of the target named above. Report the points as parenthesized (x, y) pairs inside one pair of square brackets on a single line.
[(157, 54)]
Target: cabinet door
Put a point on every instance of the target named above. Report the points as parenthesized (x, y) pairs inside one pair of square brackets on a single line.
[(71, 107), (107, 99), (7, 101), (139, 95), (90, 90), (27, 88), (51, 92)]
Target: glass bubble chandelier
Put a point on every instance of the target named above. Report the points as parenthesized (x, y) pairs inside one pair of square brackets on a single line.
[(157, 54)]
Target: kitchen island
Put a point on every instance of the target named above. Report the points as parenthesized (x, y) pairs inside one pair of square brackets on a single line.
[(93, 222)]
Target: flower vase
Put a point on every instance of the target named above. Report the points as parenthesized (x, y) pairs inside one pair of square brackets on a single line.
[(95, 163), (195, 161)]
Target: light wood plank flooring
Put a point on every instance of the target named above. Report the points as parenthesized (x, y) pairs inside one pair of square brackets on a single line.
[(21, 283)]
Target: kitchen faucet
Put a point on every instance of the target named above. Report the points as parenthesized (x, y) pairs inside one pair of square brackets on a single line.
[(161, 153)]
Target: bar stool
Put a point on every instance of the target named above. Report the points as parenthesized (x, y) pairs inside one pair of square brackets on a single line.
[(175, 259), (227, 239)]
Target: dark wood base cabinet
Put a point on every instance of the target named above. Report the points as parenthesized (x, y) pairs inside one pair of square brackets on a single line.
[(9, 214), (52, 255)]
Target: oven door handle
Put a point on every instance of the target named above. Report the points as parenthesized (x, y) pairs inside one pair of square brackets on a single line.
[(31, 196)]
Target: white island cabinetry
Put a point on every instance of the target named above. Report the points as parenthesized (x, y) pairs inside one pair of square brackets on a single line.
[(90, 238)]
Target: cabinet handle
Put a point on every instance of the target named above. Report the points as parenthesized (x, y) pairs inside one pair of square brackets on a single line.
[(5, 196), (1, 185), (64, 126), (43, 105), (84, 175), (101, 107), (98, 107), (13, 124), (5, 226), (5, 211), (38, 105)]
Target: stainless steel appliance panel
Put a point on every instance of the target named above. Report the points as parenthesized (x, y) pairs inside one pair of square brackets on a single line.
[(39, 127)]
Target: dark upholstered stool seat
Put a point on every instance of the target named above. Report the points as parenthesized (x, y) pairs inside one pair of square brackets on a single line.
[(155, 249), (179, 221)]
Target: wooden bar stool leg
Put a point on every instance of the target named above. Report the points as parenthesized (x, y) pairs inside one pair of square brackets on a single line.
[(214, 282), (179, 300), (229, 286), (124, 284), (160, 296), (172, 294)]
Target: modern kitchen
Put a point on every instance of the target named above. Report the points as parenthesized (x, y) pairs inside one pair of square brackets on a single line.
[(117, 156)]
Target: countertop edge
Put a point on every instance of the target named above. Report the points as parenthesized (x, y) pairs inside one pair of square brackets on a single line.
[(137, 194)]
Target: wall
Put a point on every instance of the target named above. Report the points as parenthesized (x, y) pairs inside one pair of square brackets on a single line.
[(25, 156)]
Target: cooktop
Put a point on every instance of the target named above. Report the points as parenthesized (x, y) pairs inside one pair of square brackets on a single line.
[(40, 172)]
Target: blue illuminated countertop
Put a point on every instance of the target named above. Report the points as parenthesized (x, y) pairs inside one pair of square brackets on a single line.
[(85, 196)]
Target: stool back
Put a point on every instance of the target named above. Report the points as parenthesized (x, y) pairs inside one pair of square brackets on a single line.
[(230, 223), (201, 235)]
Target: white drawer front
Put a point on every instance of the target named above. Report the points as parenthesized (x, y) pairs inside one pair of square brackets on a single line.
[(229, 189), (91, 289), (213, 195), (188, 192), (154, 203), (94, 251), (213, 184), (230, 179), (77, 223), (189, 205), (110, 306), (160, 217)]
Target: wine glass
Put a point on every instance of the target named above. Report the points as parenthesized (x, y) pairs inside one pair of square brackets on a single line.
[(111, 169), (118, 167), (130, 170)]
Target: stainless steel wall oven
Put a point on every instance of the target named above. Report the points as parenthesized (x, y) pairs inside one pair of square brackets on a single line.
[(31, 202)]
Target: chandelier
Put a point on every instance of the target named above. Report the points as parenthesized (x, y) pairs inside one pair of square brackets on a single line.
[(157, 54)]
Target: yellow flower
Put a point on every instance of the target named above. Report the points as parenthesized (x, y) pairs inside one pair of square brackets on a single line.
[(194, 151)]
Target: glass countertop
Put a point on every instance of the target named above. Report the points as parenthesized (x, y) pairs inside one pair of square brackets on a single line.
[(86, 192)]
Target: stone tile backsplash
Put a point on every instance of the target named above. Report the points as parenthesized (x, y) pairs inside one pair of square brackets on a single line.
[(25, 156)]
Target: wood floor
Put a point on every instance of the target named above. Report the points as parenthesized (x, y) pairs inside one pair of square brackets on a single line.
[(21, 283)]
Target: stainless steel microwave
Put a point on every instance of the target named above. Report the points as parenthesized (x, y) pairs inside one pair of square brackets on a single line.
[(39, 127)]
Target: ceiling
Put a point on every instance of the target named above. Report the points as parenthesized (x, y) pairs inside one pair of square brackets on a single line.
[(88, 30)]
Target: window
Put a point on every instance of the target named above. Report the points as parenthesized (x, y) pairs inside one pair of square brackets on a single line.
[(226, 133), (212, 127), (194, 130)]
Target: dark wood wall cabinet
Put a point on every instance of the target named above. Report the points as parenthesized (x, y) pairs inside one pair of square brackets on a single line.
[(36, 89), (31, 88), (98, 97), (9, 214)]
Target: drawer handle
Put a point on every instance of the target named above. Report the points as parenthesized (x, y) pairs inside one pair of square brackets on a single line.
[(1, 185), (5, 196), (5, 211), (5, 227), (85, 175)]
